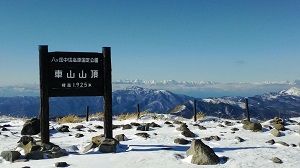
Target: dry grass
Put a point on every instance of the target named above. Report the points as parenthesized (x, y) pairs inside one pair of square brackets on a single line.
[(130, 115), (69, 119), (199, 115), (99, 115)]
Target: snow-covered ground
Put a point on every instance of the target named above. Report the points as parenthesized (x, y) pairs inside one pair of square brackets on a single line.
[(160, 150)]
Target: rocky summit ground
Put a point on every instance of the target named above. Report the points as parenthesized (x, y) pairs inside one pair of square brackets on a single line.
[(235, 146)]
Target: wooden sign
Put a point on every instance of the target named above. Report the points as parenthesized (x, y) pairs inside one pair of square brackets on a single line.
[(74, 74)]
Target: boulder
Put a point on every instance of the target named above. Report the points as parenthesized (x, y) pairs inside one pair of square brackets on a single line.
[(239, 139), (121, 137), (153, 124), (202, 154), (201, 127), (108, 145), (57, 154), (188, 133), (127, 126), (35, 155), (63, 128), (279, 127), (98, 139), (275, 132), (98, 127), (143, 127), (253, 126), (31, 127), (283, 143), (78, 135), (10, 156), (61, 164), (270, 141), (25, 140), (143, 134), (278, 120), (276, 160), (181, 141)]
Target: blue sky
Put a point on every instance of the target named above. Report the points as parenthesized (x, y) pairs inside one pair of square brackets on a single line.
[(195, 40)]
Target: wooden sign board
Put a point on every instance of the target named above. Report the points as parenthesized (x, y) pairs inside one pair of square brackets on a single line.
[(74, 74)]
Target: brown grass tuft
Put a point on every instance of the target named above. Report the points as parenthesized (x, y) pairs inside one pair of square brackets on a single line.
[(69, 119)]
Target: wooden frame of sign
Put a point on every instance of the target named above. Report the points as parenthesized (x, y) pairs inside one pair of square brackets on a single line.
[(74, 74)]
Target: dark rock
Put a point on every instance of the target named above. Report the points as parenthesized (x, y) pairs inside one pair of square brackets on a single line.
[(91, 130), (78, 135), (216, 138), (61, 164), (79, 127), (220, 125), (181, 141), (255, 127), (127, 126), (35, 155), (234, 129), (188, 133), (201, 127), (276, 160), (63, 128), (4, 129), (177, 122), (108, 146), (116, 126), (57, 154), (239, 139), (202, 154), (143, 127), (270, 141), (168, 123), (228, 123), (31, 146), (275, 132), (293, 145), (98, 127), (171, 125), (10, 156), (31, 127), (25, 140), (178, 156), (143, 134), (121, 137), (279, 127), (135, 124), (207, 138), (153, 124), (283, 143)]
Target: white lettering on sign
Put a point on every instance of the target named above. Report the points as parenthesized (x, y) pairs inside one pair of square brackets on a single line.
[(58, 74), (70, 75), (75, 60), (82, 74), (76, 85), (94, 73), (54, 60)]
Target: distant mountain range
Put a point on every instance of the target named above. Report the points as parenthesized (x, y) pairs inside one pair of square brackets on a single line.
[(285, 103), (199, 89)]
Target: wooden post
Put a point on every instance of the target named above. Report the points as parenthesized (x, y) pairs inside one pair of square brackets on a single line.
[(195, 111), (107, 103), (247, 109), (87, 113), (44, 95), (138, 111)]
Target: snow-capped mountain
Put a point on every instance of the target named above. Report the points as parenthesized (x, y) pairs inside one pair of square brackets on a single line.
[(285, 103)]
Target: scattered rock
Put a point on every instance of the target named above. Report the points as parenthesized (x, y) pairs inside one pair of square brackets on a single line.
[(183, 127), (220, 125), (34, 155), (255, 127), (181, 141), (135, 124), (278, 120), (171, 125), (143, 127), (96, 140), (239, 139), (108, 146), (177, 122), (61, 164), (270, 141), (215, 137), (275, 132), (57, 154), (25, 140), (168, 123), (4, 129), (202, 154), (31, 127), (121, 137), (276, 160), (201, 127), (282, 143), (228, 123), (188, 133), (63, 128), (79, 127), (116, 126), (178, 156), (153, 124), (91, 130), (293, 145), (78, 135), (98, 127), (10, 156), (279, 127), (127, 126), (143, 134), (234, 129)]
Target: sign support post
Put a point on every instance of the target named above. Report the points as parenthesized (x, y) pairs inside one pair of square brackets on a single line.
[(107, 101), (44, 95)]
